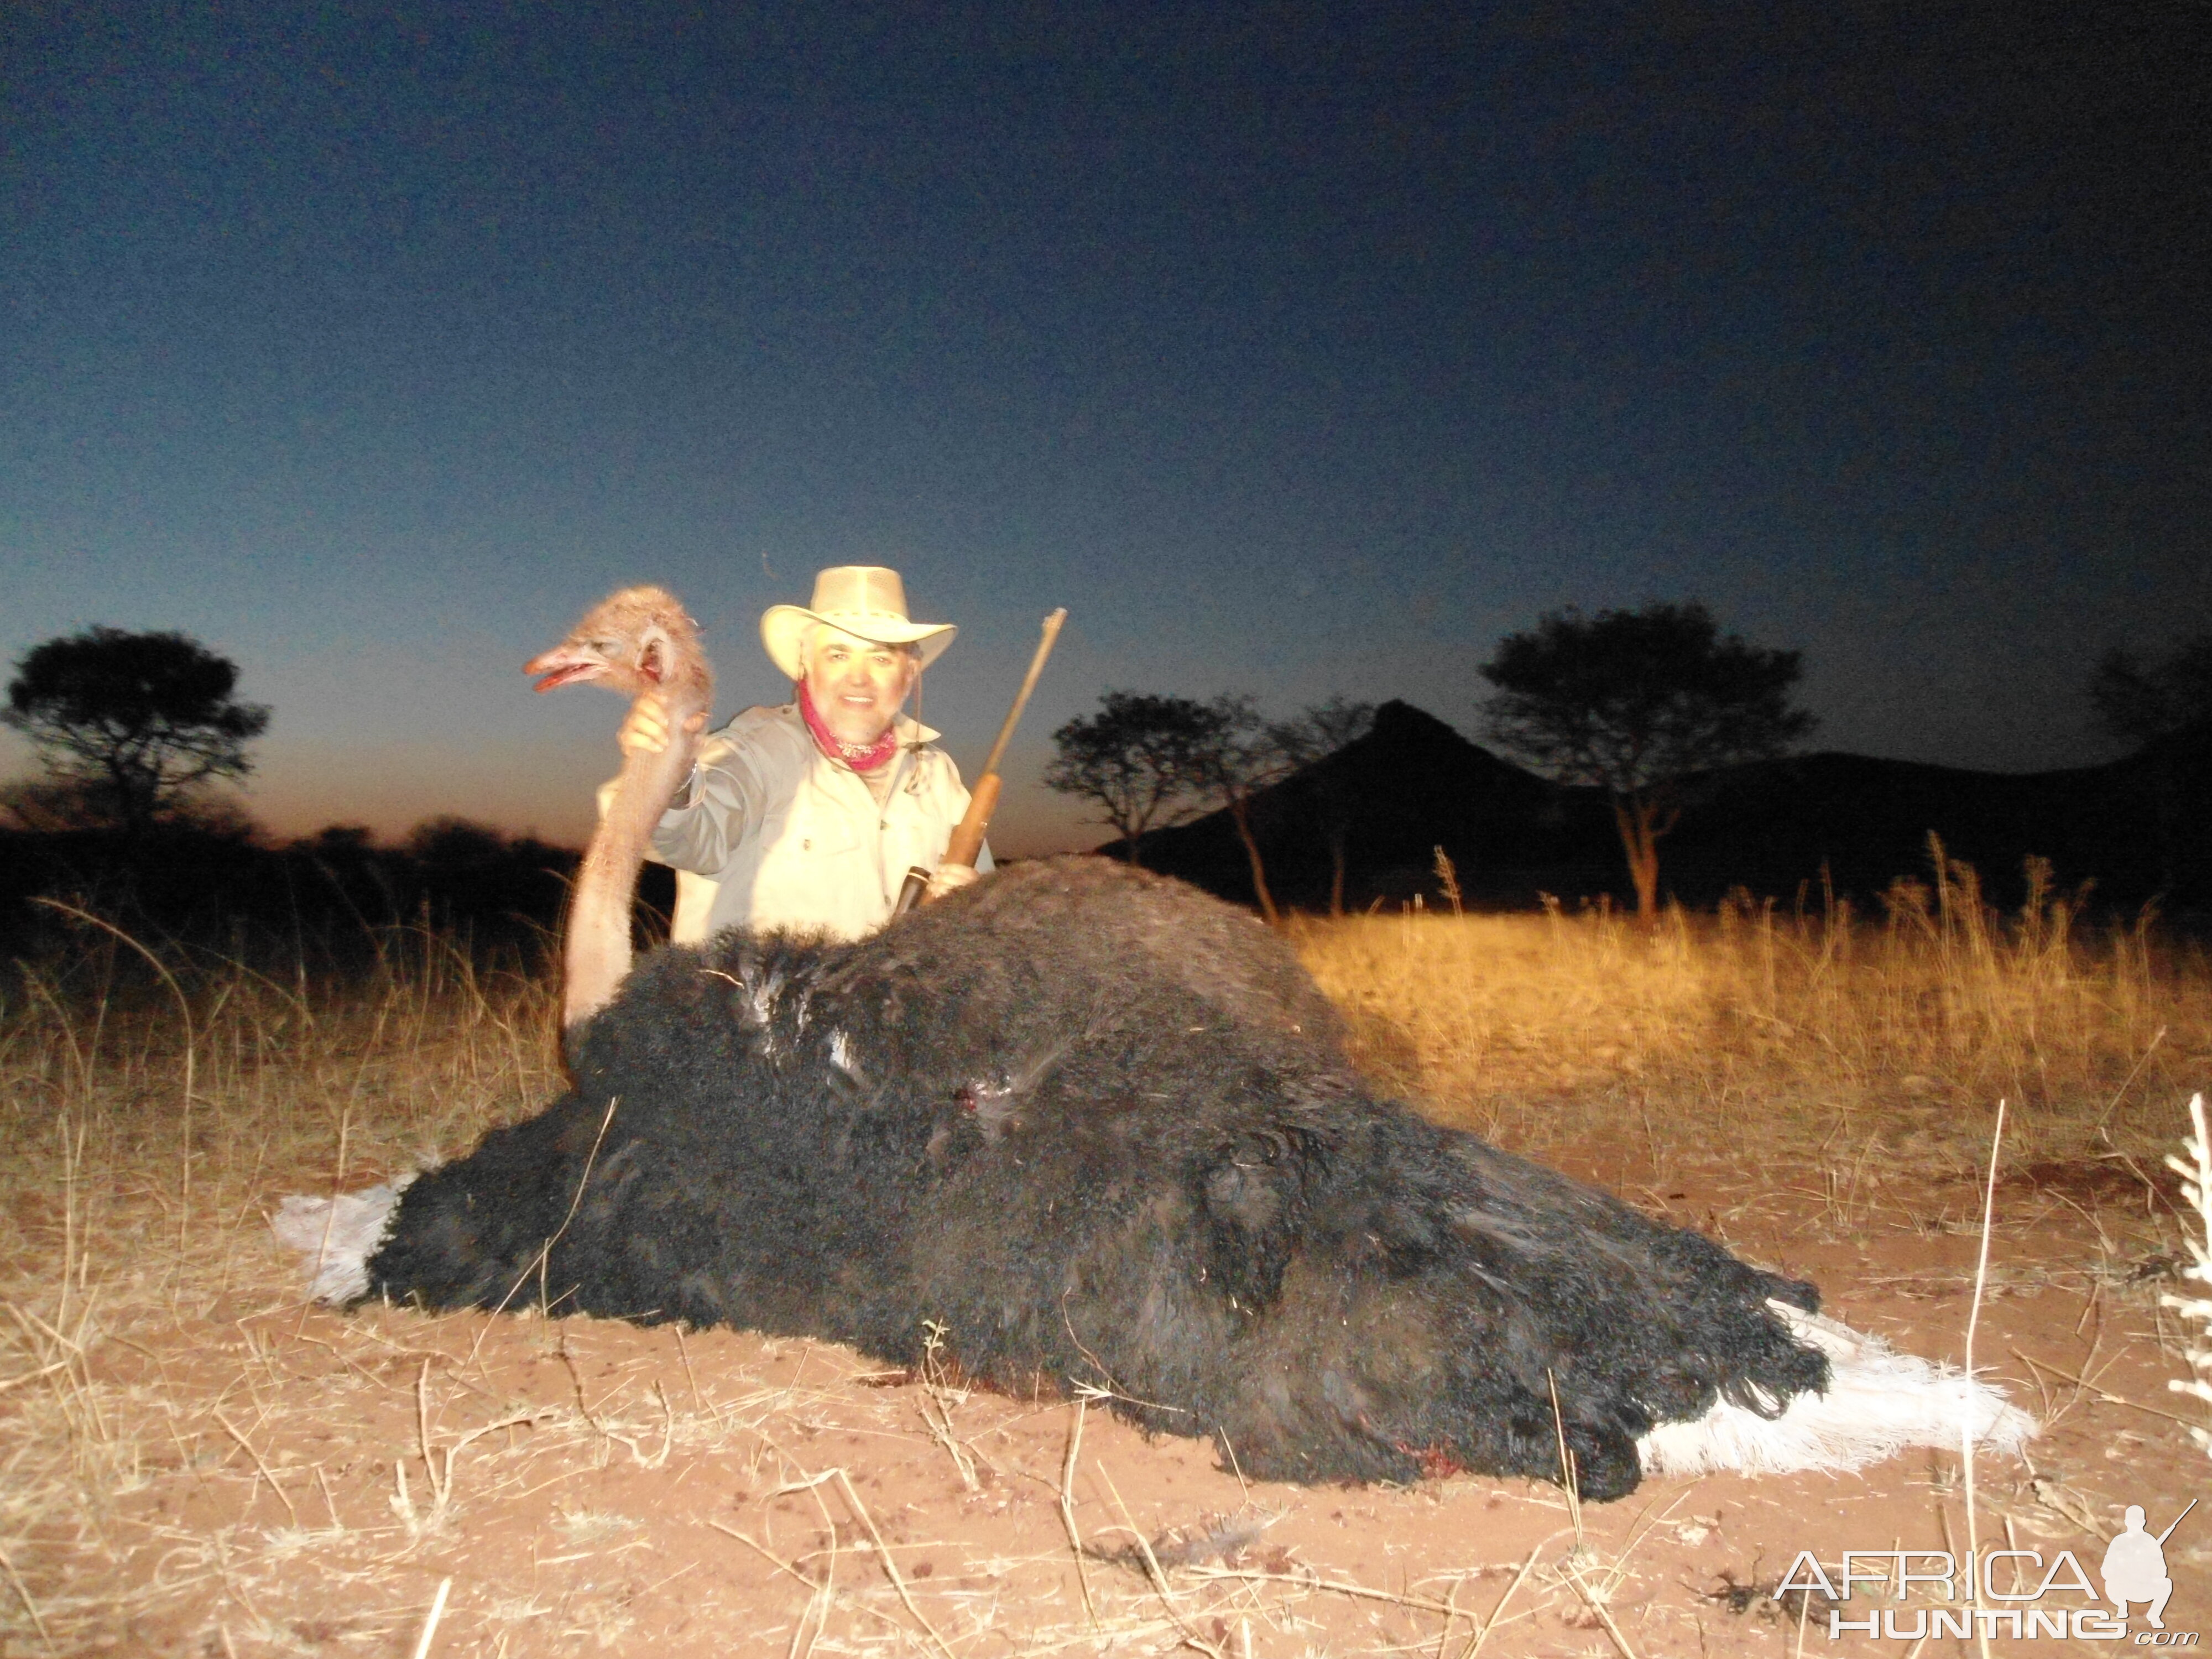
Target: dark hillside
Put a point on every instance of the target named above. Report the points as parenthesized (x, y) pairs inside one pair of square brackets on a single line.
[(2136, 826), (324, 903), (1772, 825), (1411, 785)]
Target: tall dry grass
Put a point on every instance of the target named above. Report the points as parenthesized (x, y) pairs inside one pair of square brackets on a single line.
[(1767, 1024), (2196, 1173), (151, 1103)]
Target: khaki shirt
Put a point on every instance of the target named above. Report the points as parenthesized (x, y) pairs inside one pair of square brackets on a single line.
[(774, 834)]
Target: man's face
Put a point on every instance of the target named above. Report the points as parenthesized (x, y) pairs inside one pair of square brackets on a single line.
[(857, 685)]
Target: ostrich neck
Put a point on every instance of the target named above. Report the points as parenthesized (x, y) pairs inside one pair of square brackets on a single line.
[(597, 945)]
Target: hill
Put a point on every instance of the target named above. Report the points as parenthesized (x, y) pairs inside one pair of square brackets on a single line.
[(1413, 784)]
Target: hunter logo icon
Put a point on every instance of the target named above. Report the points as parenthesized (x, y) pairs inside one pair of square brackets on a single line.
[(2009, 1592), (2134, 1566)]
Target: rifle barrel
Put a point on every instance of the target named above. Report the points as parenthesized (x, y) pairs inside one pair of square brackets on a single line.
[(2178, 1520), (1028, 684)]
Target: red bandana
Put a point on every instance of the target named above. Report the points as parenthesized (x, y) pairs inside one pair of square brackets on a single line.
[(860, 757)]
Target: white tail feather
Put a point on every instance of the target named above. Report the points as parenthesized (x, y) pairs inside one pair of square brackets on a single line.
[(1878, 1403), (337, 1235)]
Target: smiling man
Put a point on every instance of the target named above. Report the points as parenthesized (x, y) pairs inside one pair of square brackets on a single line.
[(809, 815)]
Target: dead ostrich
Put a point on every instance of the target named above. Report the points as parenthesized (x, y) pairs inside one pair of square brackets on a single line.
[(1099, 1130)]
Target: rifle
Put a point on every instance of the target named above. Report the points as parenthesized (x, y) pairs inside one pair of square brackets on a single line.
[(2178, 1520), (968, 835)]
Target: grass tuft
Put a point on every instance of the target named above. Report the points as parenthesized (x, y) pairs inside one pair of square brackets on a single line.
[(2197, 1192)]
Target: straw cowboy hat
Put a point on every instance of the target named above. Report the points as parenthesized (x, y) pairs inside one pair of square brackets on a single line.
[(864, 600)]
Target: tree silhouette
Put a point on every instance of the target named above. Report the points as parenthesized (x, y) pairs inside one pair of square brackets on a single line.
[(2164, 708), (2144, 701), (1638, 702), (1138, 758), (132, 723), (1238, 756), (1313, 736)]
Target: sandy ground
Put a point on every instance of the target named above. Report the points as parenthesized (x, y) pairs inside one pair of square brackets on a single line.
[(388, 1484)]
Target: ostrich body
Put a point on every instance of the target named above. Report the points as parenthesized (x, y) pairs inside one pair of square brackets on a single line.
[(1099, 1129)]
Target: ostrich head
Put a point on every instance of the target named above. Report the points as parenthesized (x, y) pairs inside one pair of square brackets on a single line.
[(637, 640)]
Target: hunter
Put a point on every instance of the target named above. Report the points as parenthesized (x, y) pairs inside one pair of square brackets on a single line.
[(807, 816)]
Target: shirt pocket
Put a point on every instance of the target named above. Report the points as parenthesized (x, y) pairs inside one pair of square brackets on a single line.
[(820, 826), (916, 827), (800, 844)]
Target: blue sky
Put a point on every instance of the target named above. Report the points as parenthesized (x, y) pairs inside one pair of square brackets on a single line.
[(1296, 350)]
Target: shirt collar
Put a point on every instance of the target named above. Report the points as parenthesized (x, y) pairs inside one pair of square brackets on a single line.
[(909, 729)]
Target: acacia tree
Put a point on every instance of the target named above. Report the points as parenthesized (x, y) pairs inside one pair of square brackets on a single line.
[(1314, 735), (2144, 701), (1138, 758), (1638, 702), (1241, 755), (2149, 704), (132, 722)]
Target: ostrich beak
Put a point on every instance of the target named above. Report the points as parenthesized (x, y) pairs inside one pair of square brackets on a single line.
[(565, 664), (579, 660)]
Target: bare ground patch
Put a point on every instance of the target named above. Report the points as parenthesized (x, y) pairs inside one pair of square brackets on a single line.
[(258, 1478)]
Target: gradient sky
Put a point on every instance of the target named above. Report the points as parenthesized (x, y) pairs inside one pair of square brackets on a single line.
[(1296, 350)]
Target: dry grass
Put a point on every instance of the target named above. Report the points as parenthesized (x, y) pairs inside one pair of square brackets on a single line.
[(144, 1127), (1817, 1027), (2196, 1173), (166, 1405)]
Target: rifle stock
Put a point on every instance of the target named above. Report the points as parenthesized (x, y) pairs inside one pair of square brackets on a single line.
[(968, 835), (966, 844)]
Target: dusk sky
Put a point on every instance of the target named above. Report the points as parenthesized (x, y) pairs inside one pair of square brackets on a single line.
[(1295, 350)]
